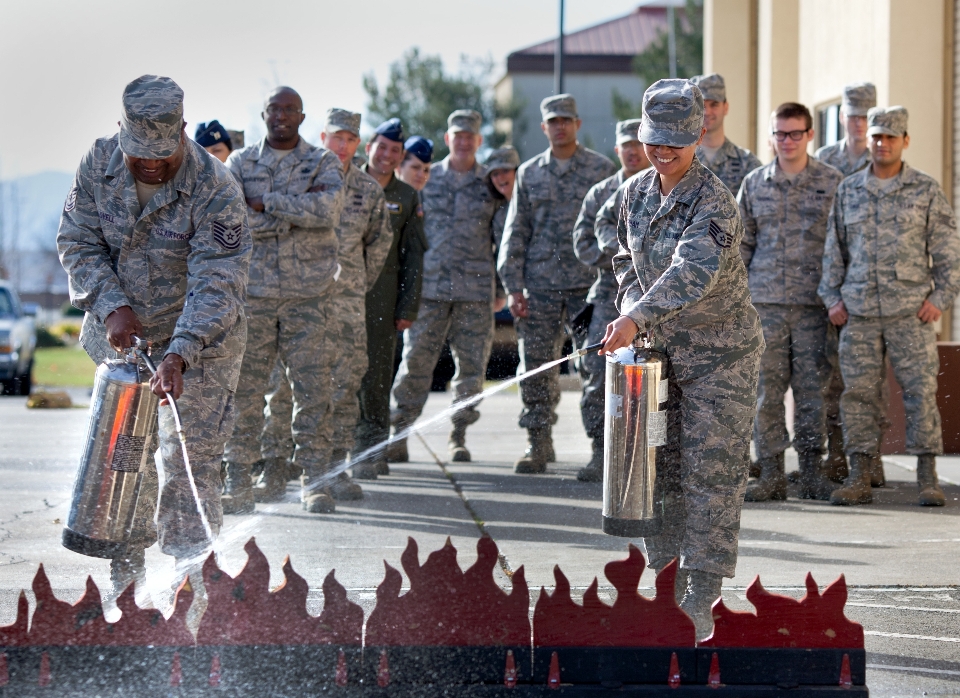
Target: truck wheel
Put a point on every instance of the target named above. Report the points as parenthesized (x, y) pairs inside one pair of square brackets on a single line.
[(25, 382)]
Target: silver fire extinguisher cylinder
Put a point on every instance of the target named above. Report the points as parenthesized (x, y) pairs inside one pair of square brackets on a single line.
[(634, 426), (123, 421)]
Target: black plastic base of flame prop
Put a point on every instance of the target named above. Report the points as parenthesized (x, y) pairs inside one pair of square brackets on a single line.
[(317, 670)]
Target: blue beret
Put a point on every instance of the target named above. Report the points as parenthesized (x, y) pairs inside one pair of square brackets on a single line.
[(211, 134), (421, 147), (391, 129)]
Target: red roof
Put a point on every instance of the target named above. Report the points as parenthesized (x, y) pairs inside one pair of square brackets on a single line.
[(624, 36)]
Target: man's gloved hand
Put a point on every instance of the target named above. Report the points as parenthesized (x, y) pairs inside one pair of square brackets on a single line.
[(122, 324), (169, 377)]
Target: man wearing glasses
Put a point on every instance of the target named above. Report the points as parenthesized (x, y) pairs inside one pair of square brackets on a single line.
[(729, 162), (294, 194), (784, 207)]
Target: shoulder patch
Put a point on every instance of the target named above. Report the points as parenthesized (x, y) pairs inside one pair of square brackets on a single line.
[(719, 237), (227, 237), (71, 200)]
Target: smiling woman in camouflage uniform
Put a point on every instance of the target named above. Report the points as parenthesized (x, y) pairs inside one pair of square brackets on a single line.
[(683, 284)]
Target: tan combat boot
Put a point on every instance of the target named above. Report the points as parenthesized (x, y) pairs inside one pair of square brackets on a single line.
[(534, 460), (342, 488), (237, 497), (457, 444), (835, 466), (813, 484), (930, 493), (315, 495), (856, 488), (772, 483), (877, 478), (703, 589)]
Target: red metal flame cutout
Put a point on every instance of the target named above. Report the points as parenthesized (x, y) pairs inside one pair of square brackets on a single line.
[(448, 607), (632, 621), (243, 610), (815, 621), (15, 634)]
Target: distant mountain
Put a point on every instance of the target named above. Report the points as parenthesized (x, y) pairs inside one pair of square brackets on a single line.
[(30, 210)]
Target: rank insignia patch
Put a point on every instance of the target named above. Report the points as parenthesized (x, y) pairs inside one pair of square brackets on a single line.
[(228, 238), (721, 238), (71, 200)]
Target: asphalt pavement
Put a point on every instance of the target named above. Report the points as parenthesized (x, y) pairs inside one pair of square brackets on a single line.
[(901, 562)]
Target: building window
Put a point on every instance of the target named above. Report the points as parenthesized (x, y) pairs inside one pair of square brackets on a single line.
[(829, 126)]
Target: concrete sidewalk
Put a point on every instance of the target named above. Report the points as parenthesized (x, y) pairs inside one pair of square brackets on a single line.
[(900, 561)]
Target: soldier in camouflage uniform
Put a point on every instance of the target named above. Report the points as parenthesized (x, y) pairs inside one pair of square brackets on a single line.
[(729, 162), (151, 220), (890, 268), (784, 207), (294, 194), (546, 283), (365, 235), (683, 284), (595, 243), (849, 155), (458, 286), (502, 166), (394, 300)]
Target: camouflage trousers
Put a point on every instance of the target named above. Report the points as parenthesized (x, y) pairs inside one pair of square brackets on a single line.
[(207, 414), (468, 325), (795, 357), (540, 340), (911, 347), (349, 365), (831, 397), (594, 369), (702, 471), (301, 332)]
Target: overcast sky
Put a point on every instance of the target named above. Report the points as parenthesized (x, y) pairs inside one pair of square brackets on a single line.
[(63, 65)]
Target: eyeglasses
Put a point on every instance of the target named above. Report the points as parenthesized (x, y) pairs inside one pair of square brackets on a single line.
[(273, 110), (792, 135)]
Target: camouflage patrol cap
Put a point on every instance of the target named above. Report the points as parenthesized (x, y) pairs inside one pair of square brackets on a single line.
[(712, 86), (151, 118), (628, 130), (464, 120), (505, 158), (342, 120), (564, 105), (889, 120), (672, 113), (859, 98)]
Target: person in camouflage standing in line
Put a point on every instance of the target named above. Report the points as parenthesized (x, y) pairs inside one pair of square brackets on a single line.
[(365, 236), (502, 165), (849, 155), (784, 207), (152, 220), (890, 268), (458, 287), (597, 251), (684, 286), (729, 162), (546, 283), (393, 302), (294, 194)]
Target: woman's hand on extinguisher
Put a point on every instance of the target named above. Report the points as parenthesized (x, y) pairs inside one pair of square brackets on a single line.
[(620, 333), (169, 377)]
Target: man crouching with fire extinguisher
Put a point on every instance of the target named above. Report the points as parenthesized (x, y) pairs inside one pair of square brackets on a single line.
[(683, 285), (153, 236)]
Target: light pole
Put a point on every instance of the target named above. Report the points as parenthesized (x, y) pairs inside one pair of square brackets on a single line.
[(672, 41), (558, 59)]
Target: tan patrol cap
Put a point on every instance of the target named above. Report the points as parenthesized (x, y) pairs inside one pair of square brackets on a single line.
[(672, 113), (342, 120), (628, 130), (711, 86), (151, 118), (859, 98), (464, 120), (505, 158), (889, 120), (564, 105)]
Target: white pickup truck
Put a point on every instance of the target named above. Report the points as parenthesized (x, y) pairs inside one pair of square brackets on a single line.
[(18, 339)]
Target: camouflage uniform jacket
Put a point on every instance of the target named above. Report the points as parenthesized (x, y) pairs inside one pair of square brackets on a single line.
[(588, 247), (731, 164), (457, 210), (537, 251), (836, 156), (180, 264), (364, 232), (784, 229), (404, 261), (497, 224), (294, 237), (679, 263), (888, 251)]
